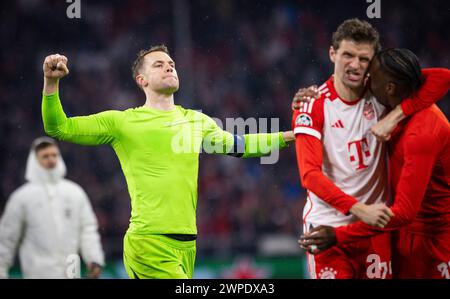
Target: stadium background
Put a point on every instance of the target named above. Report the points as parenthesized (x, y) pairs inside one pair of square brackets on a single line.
[(235, 59)]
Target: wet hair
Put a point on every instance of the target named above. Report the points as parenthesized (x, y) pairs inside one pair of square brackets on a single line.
[(358, 31), (139, 62), (403, 66)]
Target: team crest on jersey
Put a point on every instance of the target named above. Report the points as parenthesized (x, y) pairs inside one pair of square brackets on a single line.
[(304, 120), (327, 273), (368, 111)]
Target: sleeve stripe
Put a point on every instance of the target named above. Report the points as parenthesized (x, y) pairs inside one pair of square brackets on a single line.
[(308, 131), (302, 106), (322, 87), (311, 105)]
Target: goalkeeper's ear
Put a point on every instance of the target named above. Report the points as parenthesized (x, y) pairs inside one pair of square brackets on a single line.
[(141, 81)]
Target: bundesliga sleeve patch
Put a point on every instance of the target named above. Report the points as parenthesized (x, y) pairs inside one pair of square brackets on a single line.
[(304, 120)]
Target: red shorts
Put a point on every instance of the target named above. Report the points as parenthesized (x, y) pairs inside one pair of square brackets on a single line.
[(366, 259), (417, 255)]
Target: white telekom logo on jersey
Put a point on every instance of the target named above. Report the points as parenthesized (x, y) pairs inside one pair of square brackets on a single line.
[(359, 150)]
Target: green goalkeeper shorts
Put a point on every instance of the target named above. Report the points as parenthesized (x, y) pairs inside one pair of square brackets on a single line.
[(158, 256)]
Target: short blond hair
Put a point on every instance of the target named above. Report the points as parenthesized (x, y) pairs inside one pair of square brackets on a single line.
[(139, 62)]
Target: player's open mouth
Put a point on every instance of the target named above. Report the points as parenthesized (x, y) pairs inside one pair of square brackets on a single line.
[(353, 76)]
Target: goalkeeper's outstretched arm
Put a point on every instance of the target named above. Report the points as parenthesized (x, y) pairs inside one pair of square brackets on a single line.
[(219, 141)]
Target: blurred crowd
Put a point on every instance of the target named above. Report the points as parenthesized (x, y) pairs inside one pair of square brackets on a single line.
[(245, 59)]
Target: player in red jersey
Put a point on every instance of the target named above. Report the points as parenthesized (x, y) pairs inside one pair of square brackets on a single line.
[(341, 164), (419, 157)]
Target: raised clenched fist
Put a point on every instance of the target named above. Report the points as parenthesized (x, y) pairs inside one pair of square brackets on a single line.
[(55, 67)]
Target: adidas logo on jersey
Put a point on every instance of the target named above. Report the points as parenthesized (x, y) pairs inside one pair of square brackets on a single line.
[(338, 124)]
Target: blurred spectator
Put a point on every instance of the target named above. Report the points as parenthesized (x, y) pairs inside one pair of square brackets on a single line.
[(49, 220)]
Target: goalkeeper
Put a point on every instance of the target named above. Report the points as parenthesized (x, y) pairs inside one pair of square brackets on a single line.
[(158, 145)]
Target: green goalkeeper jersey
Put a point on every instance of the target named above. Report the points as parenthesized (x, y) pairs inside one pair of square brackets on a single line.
[(159, 154)]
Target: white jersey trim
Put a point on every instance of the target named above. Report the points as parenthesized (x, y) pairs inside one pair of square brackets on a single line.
[(308, 131)]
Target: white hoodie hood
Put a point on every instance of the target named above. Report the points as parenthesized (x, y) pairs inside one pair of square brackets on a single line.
[(35, 173), (50, 220)]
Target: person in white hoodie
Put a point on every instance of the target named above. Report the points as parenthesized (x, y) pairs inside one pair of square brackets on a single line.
[(50, 221)]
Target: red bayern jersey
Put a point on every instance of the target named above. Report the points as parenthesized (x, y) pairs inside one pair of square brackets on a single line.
[(419, 170), (340, 161), (322, 175)]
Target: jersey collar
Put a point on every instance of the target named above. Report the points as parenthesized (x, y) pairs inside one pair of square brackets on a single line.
[(334, 95)]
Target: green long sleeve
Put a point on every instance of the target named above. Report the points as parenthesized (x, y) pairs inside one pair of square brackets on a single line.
[(219, 141), (258, 145), (94, 129)]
